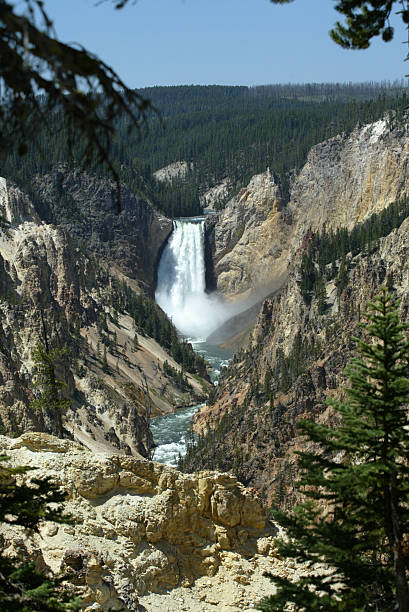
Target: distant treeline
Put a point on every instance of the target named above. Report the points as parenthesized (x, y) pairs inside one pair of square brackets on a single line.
[(223, 131)]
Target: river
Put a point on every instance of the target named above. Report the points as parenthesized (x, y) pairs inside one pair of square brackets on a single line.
[(170, 431)]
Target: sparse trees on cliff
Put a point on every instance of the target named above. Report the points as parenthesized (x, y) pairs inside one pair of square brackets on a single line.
[(356, 515), (50, 387)]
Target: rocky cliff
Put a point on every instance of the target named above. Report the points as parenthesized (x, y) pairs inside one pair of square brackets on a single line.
[(344, 181), (250, 426), (249, 239), (297, 352), (85, 205), (53, 290), (142, 528)]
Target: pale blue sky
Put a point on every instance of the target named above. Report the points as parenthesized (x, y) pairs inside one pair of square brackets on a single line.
[(232, 42)]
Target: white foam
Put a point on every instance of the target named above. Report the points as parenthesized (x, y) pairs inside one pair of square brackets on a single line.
[(181, 291)]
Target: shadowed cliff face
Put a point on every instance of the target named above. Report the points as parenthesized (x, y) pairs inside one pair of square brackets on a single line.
[(344, 181), (132, 239)]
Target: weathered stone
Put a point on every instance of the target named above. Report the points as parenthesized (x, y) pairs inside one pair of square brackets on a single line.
[(344, 181), (48, 283), (129, 539)]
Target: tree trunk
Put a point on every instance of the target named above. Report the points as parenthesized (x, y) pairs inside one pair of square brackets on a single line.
[(395, 541)]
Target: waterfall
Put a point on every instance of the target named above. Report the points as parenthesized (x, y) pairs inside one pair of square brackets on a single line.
[(181, 289)]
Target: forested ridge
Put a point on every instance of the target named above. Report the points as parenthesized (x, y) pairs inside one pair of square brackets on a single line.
[(223, 131)]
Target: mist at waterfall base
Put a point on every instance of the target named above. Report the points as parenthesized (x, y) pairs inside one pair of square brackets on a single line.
[(181, 293), (181, 288)]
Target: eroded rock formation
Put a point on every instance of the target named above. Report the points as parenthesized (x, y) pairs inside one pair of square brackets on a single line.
[(139, 526), (131, 238), (253, 431), (304, 348), (50, 285)]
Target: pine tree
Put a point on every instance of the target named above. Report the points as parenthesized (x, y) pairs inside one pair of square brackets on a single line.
[(22, 588), (320, 295), (356, 512), (342, 278), (105, 367), (51, 387)]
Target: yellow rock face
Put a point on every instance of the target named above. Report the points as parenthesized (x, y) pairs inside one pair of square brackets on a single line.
[(139, 526), (343, 182)]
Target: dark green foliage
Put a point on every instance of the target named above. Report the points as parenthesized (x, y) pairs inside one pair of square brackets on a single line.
[(342, 278), (320, 294), (177, 376), (150, 319), (329, 247), (22, 588), (230, 132), (50, 386), (356, 512), (267, 383), (308, 274), (105, 367), (287, 369), (364, 19), (42, 78)]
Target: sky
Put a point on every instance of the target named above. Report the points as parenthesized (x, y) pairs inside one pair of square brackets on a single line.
[(229, 42)]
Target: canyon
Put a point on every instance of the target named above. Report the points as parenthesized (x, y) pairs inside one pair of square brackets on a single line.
[(51, 284), (150, 535)]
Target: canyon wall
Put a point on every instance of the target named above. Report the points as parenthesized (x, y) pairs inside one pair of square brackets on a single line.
[(343, 182), (54, 290), (301, 344), (86, 205)]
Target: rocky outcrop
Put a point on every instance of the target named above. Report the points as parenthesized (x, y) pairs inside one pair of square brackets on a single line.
[(139, 526), (347, 179), (178, 170), (216, 195), (250, 239), (132, 238), (343, 182)]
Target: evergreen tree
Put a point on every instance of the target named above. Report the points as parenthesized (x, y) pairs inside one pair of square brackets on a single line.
[(51, 387), (342, 278), (364, 19), (105, 367), (22, 588), (356, 513), (320, 295)]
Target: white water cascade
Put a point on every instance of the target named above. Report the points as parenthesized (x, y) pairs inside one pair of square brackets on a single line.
[(181, 282)]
